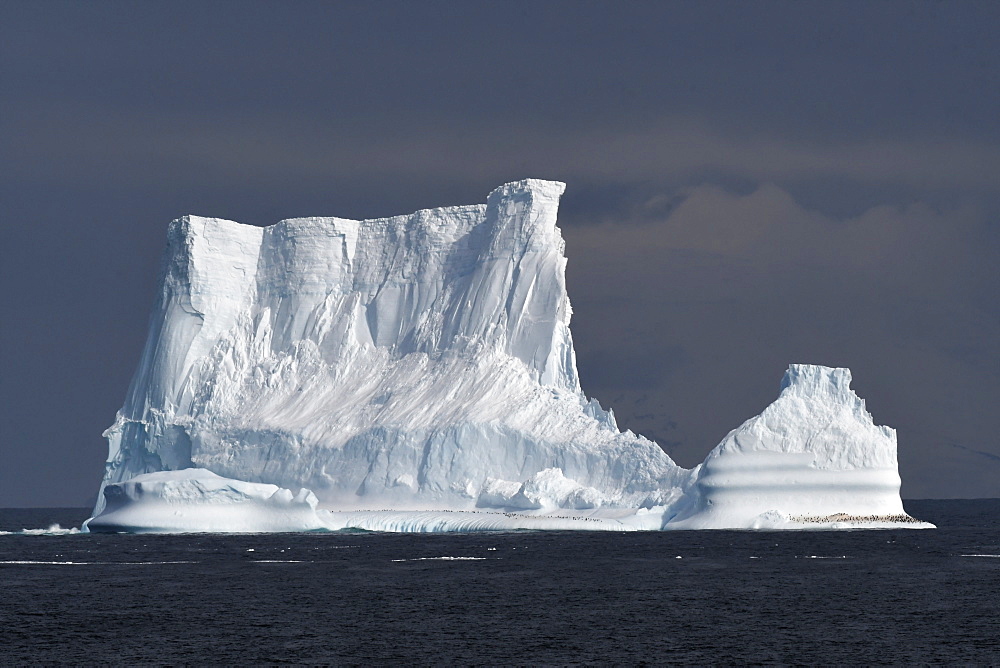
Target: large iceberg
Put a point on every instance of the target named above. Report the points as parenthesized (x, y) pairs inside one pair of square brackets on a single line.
[(418, 373)]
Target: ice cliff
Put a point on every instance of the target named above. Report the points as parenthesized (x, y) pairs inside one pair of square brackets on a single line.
[(424, 363)]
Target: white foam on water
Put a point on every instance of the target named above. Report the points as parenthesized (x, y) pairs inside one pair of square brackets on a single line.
[(52, 530), (23, 562), (987, 556), (814, 556), (443, 559)]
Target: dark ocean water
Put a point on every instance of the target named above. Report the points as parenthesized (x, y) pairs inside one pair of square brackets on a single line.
[(506, 598)]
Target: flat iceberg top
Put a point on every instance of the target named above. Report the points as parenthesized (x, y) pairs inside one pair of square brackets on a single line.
[(535, 188), (425, 363), (816, 380)]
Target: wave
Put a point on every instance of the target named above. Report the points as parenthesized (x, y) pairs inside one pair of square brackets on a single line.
[(53, 530)]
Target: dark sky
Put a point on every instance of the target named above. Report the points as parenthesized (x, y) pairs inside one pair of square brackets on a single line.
[(749, 185)]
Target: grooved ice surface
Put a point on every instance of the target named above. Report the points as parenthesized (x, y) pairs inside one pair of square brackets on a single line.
[(398, 361), (420, 363)]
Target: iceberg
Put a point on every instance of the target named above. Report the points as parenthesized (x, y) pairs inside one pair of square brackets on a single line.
[(417, 373), (812, 457)]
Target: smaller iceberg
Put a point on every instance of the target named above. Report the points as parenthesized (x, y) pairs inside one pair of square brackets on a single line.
[(812, 459)]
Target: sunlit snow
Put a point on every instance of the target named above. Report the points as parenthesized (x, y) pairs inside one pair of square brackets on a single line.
[(417, 373)]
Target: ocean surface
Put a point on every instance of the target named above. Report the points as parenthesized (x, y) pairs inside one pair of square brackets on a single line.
[(730, 597)]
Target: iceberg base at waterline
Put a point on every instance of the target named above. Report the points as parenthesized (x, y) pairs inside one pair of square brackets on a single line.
[(769, 490), (198, 501)]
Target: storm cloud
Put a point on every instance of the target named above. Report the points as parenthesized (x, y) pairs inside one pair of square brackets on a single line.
[(749, 185)]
